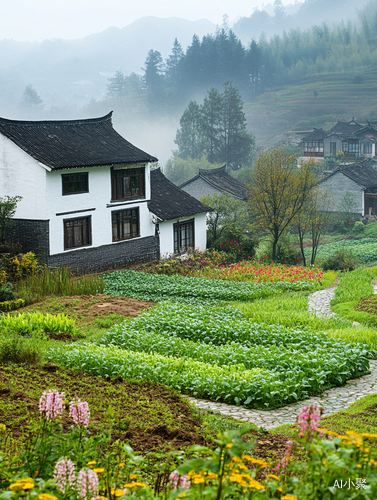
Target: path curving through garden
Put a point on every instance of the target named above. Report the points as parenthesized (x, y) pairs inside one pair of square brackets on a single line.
[(332, 400)]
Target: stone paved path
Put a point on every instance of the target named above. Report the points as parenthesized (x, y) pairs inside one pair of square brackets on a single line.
[(331, 401)]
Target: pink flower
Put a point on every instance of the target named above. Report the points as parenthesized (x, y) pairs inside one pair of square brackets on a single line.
[(80, 413), (308, 418), (64, 475), (178, 481), (87, 483), (51, 404)]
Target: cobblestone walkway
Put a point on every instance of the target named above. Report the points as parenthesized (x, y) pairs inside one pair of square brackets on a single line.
[(331, 401)]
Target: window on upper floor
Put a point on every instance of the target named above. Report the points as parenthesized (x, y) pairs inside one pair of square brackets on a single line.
[(125, 224), (77, 232), (127, 183), (75, 183)]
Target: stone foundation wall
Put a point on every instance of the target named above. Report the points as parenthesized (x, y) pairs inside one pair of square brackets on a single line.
[(33, 235), (118, 255)]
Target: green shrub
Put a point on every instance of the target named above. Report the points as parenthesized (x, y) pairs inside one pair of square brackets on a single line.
[(341, 259), (11, 305), (16, 349), (7, 293), (358, 227)]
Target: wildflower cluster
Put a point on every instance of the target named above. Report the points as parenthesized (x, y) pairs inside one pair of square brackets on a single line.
[(259, 272), (51, 404)]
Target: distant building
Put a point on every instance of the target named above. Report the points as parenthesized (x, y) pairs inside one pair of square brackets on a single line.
[(351, 139), (216, 180), (359, 179)]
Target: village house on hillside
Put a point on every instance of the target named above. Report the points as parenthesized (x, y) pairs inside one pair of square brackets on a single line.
[(216, 180), (350, 138), (359, 179), (89, 198)]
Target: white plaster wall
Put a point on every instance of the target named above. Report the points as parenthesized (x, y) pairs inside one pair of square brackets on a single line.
[(167, 234), (99, 197), (21, 175)]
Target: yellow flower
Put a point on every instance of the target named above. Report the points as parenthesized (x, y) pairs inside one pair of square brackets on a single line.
[(24, 480), (16, 486), (262, 463), (28, 486), (133, 476), (46, 496), (288, 497), (135, 485), (229, 446), (236, 459), (93, 462), (369, 436), (121, 465), (182, 495), (272, 476), (358, 466), (280, 489), (99, 470), (3, 428)]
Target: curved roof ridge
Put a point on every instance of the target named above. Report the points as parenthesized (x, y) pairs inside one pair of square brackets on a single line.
[(209, 170), (80, 121)]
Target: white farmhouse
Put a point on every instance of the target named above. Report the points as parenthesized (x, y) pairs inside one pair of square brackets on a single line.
[(87, 199)]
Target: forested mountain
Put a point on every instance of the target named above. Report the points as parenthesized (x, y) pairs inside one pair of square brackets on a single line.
[(276, 18)]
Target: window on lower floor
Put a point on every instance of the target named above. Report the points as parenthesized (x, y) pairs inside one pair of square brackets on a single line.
[(125, 224), (75, 183), (184, 237), (77, 232), (367, 149)]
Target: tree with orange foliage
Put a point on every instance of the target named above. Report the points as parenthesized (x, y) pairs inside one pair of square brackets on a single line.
[(278, 191)]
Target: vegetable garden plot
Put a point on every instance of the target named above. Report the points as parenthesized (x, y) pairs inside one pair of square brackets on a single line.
[(215, 353), (159, 287), (365, 249)]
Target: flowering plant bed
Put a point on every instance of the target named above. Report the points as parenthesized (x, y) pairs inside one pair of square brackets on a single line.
[(259, 272)]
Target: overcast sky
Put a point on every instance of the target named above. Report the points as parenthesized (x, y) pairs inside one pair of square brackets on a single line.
[(29, 20)]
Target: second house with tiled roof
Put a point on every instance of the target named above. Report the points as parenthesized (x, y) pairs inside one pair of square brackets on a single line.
[(216, 180), (89, 198)]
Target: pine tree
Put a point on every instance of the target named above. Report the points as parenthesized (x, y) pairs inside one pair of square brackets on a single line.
[(154, 80), (31, 104), (172, 63), (189, 137), (210, 112), (116, 86)]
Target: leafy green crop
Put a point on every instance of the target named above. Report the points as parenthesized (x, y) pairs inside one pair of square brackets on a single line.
[(159, 287), (320, 361), (364, 249), (32, 323)]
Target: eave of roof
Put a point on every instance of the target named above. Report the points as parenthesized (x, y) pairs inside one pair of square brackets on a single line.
[(62, 144), (169, 202)]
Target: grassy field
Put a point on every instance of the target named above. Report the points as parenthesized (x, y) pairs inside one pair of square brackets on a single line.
[(294, 107)]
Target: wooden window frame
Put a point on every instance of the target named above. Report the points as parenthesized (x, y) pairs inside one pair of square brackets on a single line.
[(70, 179), (116, 220), (179, 246), (79, 222), (118, 183)]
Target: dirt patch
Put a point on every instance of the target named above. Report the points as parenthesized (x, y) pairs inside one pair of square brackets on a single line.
[(102, 305), (147, 416)]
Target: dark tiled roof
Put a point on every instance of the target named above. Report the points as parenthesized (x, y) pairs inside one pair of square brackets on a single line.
[(73, 143), (362, 173), (345, 127), (219, 178), (169, 202), (317, 135)]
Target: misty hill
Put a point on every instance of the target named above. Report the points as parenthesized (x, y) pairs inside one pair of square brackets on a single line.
[(71, 72), (302, 15)]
